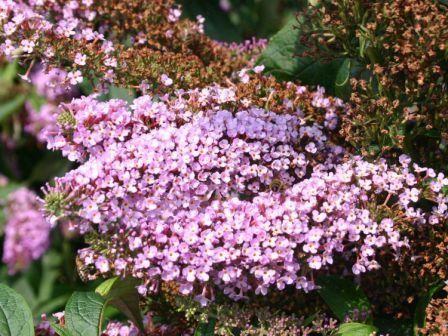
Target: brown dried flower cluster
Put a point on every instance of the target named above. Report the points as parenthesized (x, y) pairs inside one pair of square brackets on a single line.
[(400, 52), (437, 317), (395, 289), (130, 42)]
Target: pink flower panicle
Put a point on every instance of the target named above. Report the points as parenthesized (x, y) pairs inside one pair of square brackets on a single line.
[(187, 189), (27, 233), (52, 86)]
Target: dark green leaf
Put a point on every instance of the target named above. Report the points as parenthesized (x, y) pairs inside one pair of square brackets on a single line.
[(342, 296), (52, 164), (84, 314), (11, 106), (15, 315), (342, 83), (279, 55), (206, 329), (122, 294), (282, 59), (356, 329), (422, 303)]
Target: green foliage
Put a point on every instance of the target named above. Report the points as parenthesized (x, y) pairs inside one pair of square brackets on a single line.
[(422, 303), (122, 294), (84, 314), (281, 59), (343, 296), (206, 329), (44, 285), (355, 329), (61, 331), (15, 315), (13, 105), (4, 192), (245, 19), (120, 93), (85, 311)]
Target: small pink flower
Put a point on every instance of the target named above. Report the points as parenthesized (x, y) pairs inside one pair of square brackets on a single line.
[(166, 80), (75, 77), (80, 59)]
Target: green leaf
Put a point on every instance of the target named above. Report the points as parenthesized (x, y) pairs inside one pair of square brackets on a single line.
[(281, 59), (60, 330), (342, 83), (52, 164), (121, 93), (15, 315), (23, 287), (123, 295), (342, 296), (355, 329), (9, 73), (11, 106), (422, 303), (50, 272), (278, 57), (51, 305), (206, 329), (84, 314), (7, 189), (4, 193)]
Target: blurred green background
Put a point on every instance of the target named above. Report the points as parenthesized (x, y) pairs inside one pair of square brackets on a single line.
[(238, 20)]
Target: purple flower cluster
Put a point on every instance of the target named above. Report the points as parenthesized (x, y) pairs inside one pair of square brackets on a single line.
[(119, 329), (27, 232), (186, 189), (53, 88)]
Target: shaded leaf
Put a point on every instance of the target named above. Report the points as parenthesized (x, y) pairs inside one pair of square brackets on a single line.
[(278, 57), (50, 263), (51, 165), (9, 107), (342, 296), (23, 287), (422, 303), (281, 59), (122, 294), (51, 305), (15, 315), (206, 329), (342, 83)]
